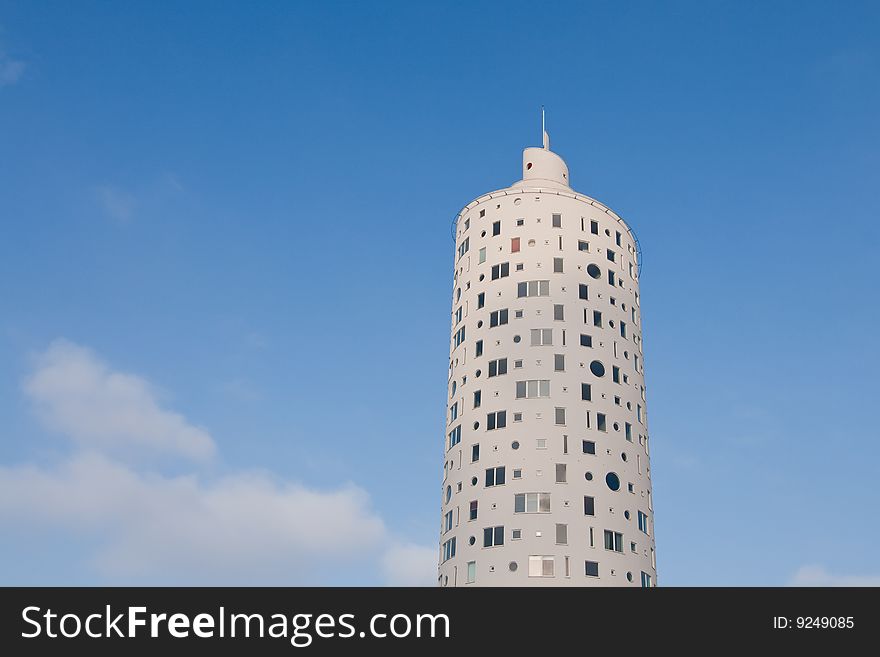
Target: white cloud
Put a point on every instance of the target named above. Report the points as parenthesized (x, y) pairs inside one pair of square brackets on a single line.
[(76, 394), (410, 565), (117, 204), (244, 528), (145, 527), (11, 70), (815, 575)]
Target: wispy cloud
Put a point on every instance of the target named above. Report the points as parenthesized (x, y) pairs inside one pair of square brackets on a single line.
[(78, 395), (814, 575), (144, 526), (116, 203), (11, 69)]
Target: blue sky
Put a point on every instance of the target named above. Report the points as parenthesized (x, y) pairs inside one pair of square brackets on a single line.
[(231, 221)]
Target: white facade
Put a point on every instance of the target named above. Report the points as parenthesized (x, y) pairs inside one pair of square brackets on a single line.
[(546, 476)]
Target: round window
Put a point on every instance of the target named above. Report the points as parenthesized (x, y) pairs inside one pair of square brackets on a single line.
[(514, 444), (516, 339), (473, 481), (623, 455), (626, 514), (477, 373), (472, 540), (613, 481), (476, 425), (597, 368), (482, 277), (512, 564), (588, 476), (629, 577), (594, 271)]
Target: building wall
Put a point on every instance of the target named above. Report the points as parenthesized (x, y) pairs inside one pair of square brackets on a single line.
[(536, 443)]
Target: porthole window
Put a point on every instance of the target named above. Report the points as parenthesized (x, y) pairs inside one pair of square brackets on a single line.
[(629, 577), (473, 481), (623, 455), (597, 368), (472, 540), (613, 481), (514, 444), (476, 425), (531, 242), (477, 373), (616, 426), (611, 323), (588, 476), (482, 277), (608, 232), (594, 271), (528, 166), (516, 339), (626, 514), (483, 234), (512, 565), (480, 324)]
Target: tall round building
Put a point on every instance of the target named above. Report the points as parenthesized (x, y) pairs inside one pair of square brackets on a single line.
[(546, 475)]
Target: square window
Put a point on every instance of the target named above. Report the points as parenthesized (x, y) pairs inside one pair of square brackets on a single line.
[(557, 221)]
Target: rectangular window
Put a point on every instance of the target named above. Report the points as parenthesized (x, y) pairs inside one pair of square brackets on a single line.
[(473, 509), (478, 398), (560, 416), (496, 228), (600, 422), (558, 362), (533, 389), (586, 392), (463, 248), (643, 523), (455, 436), (498, 318), (594, 227), (540, 566), (610, 255), (591, 568), (459, 336), (475, 452), (646, 580), (533, 289), (589, 447), (583, 291), (623, 330), (561, 534), (471, 572), (481, 300), (583, 246), (597, 318), (493, 536), (557, 265), (496, 420), (447, 522), (561, 473), (494, 476), (531, 503), (613, 541), (497, 367), (628, 431), (557, 221), (615, 374), (500, 270), (558, 311), (617, 238), (589, 506), (610, 277), (453, 412), (449, 549), (586, 340), (542, 337), (514, 245), (482, 256), (478, 351)]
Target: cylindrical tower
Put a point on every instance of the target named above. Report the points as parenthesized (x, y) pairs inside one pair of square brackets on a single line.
[(546, 475)]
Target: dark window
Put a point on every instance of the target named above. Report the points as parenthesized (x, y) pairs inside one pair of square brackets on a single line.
[(613, 481), (496, 228), (582, 291), (479, 350), (589, 506), (557, 221), (481, 300), (475, 452), (591, 568), (589, 447), (594, 271), (474, 510), (594, 227), (586, 340), (586, 392), (478, 398)]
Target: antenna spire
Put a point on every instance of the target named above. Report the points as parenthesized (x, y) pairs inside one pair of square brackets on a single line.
[(544, 134)]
